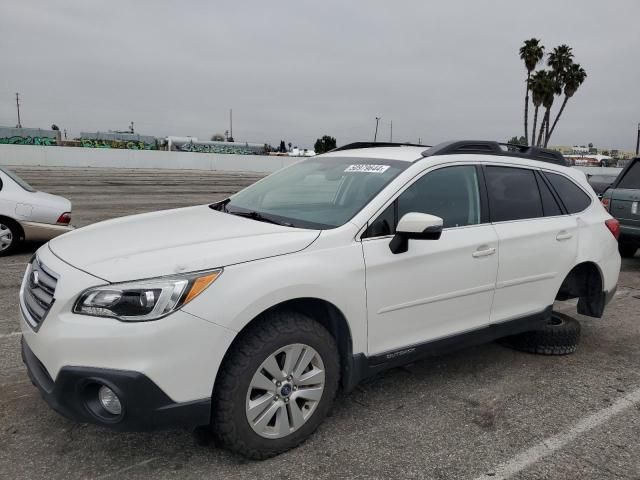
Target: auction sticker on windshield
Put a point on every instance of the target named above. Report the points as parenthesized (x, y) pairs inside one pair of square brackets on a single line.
[(363, 168)]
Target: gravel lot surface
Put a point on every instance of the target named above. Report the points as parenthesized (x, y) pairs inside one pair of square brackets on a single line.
[(484, 412)]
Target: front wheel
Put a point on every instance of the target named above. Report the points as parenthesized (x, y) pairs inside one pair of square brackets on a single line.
[(9, 237), (275, 386)]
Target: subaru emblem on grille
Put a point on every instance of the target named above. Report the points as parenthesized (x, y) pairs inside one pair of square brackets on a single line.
[(34, 279)]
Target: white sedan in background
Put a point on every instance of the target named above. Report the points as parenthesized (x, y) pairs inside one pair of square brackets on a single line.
[(26, 214)]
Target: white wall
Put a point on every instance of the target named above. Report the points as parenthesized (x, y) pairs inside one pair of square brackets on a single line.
[(28, 155)]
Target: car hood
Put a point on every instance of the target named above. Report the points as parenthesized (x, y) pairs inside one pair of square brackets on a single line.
[(174, 241)]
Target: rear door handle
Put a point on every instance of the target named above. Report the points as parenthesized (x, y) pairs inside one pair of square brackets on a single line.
[(483, 251), (564, 235)]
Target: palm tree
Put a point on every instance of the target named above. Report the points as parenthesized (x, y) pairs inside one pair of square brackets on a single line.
[(573, 78), (560, 59), (546, 91), (531, 53), (537, 86)]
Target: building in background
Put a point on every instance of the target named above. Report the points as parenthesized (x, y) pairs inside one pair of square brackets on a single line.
[(29, 136)]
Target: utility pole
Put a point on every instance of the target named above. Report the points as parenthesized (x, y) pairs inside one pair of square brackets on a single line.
[(637, 141), (18, 107), (375, 135), (231, 123), (391, 134)]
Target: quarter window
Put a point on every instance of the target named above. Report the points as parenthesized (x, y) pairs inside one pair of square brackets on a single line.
[(513, 194), (574, 199)]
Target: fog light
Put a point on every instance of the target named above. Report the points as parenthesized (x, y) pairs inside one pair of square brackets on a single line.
[(109, 400)]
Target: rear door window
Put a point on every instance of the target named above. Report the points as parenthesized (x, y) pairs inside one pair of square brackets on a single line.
[(550, 206), (513, 194), (631, 179), (573, 197)]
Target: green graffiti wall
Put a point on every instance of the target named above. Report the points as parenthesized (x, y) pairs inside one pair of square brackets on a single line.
[(128, 145), (30, 140)]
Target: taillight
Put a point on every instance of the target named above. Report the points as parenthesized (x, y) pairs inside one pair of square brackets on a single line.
[(614, 227), (606, 203), (65, 218)]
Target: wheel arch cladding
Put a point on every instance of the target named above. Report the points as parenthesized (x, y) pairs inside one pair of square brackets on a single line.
[(585, 282), (323, 312)]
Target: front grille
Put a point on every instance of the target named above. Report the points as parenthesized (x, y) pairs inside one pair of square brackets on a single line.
[(39, 287)]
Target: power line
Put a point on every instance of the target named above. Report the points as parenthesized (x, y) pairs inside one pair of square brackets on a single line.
[(18, 108)]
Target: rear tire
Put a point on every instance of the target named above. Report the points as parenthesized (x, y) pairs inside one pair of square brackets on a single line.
[(9, 236), (271, 373), (626, 250), (560, 336)]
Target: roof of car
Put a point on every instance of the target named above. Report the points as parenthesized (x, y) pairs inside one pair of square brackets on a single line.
[(400, 152), (412, 152)]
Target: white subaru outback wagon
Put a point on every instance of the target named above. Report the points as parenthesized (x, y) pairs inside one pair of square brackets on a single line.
[(249, 314)]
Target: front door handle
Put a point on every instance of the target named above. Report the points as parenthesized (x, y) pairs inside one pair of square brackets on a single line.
[(564, 235), (483, 251)]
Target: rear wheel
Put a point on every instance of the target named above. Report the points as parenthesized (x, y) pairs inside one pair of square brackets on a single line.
[(560, 336), (626, 250), (9, 237), (276, 385)]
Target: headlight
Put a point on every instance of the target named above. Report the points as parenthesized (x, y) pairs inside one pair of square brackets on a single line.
[(144, 299)]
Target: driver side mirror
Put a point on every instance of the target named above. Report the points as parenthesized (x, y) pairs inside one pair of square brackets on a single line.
[(415, 226)]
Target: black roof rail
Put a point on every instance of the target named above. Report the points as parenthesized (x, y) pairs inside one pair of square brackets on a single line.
[(354, 145), (486, 147)]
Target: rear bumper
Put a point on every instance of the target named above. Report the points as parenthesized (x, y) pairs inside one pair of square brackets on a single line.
[(144, 405), (35, 231)]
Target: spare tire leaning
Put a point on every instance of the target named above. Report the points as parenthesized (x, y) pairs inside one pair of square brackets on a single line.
[(560, 336)]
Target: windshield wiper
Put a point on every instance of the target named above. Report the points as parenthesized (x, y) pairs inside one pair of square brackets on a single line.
[(258, 216)]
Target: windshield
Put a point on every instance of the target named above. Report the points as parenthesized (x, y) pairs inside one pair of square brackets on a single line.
[(18, 180), (320, 193)]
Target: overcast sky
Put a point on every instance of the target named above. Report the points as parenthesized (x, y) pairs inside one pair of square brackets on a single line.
[(295, 70)]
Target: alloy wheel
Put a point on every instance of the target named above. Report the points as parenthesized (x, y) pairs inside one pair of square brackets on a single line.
[(285, 391), (6, 237)]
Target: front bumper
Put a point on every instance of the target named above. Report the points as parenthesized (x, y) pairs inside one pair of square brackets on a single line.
[(144, 405), (34, 231)]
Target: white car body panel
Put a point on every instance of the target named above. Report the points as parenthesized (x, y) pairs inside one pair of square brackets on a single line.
[(175, 241), (409, 304), (389, 301)]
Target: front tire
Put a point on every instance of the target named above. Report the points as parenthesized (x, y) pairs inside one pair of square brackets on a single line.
[(9, 237), (275, 386)]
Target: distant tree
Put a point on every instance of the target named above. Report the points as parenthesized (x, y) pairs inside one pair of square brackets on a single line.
[(217, 137), (574, 76), (590, 145), (541, 86), (55, 127), (290, 145), (324, 144), (518, 141), (230, 139), (530, 53), (282, 148)]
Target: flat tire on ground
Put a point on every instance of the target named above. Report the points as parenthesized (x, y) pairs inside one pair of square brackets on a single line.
[(560, 336)]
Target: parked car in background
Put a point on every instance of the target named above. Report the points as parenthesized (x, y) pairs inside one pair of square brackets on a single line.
[(26, 214), (600, 178), (622, 200)]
